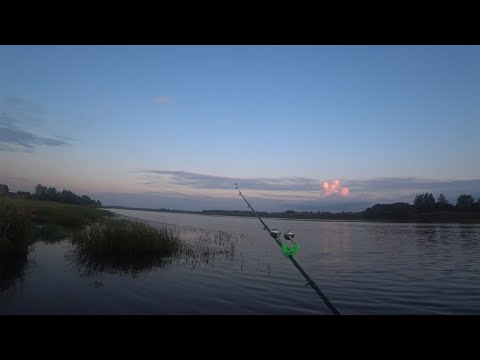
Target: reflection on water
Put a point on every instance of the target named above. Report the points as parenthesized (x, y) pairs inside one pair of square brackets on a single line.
[(335, 237), (232, 266), (426, 233), (12, 269), (88, 265)]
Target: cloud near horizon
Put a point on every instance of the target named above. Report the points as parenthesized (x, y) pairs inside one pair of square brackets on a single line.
[(334, 188), (185, 179), (17, 117), (302, 189)]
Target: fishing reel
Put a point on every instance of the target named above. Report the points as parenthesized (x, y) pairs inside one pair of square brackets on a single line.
[(289, 235)]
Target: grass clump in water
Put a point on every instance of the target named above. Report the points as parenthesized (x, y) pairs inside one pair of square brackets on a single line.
[(118, 245)]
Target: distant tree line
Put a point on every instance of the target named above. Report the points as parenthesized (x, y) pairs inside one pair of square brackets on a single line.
[(424, 209), (424, 205), (426, 202), (66, 196)]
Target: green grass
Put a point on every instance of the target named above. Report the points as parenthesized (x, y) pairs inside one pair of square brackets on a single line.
[(65, 215), (22, 221), (55, 221)]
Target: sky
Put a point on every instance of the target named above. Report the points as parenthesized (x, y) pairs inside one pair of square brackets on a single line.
[(316, 128)]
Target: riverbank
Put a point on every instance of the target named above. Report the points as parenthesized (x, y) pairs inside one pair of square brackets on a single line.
[(23, 222), (101, 241)]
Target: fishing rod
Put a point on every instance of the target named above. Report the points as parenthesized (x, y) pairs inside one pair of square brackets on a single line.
[(289, 252)]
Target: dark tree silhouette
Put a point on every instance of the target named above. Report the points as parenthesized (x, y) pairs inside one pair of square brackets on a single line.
[(52, 194), (465, 202), (424, 202), (41, 191), (443, 203), (66, 196)]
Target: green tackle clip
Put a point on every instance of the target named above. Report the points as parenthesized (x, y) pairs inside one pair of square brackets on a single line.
[(290, 250)]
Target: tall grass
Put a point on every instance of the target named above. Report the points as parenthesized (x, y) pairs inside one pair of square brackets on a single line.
[(129, 247), (15, 227), (126, 237), (118, 245), (56, 221), (15, 238)]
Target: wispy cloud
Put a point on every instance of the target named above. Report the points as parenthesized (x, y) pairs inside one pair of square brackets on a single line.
[(203, 181), (14, 138), (304, 189), (405, 188), (162, 99)]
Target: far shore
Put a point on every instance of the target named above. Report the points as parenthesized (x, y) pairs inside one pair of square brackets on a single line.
[(422, 218)]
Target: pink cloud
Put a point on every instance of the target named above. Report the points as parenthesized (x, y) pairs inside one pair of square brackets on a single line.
[(162, 99), (335, 188)]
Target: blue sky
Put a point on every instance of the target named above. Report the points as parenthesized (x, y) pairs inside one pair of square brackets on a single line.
[(172, 126)]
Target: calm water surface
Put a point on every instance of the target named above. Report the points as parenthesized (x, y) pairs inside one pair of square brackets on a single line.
[(363, 268)]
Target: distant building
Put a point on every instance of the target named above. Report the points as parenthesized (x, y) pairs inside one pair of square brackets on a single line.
[(23, 194), (4, 189)]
